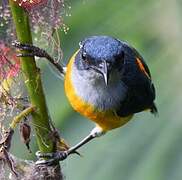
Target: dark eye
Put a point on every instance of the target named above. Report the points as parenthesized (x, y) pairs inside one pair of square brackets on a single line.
[(119, 60), (120, 57), (85, 58), (84, 55)]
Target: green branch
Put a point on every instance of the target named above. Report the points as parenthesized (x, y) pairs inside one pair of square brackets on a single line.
[(33, 82), (17, 119)]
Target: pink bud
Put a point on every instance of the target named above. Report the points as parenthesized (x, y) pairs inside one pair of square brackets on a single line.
[(30, 4)]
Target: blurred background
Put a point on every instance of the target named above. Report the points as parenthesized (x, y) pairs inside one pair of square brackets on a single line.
[(148, 147)]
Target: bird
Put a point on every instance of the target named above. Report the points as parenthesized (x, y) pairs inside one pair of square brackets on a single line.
[(106, 80)]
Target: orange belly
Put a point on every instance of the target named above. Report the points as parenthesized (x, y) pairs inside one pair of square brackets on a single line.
[(107, 120)]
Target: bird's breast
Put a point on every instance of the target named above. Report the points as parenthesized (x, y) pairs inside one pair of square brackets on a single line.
[(95, 101)]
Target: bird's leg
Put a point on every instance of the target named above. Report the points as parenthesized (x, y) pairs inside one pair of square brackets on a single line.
[(62, 155), (36, 51), (96, 132)]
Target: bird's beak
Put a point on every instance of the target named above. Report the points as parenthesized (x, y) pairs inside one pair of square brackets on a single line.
[(104, 71)]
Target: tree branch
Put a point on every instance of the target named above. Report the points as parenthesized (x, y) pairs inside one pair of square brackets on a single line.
[(33, 82)]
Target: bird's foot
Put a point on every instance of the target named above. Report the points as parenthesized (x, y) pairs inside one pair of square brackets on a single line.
[(33, 50), (50, 158), (36, 51)]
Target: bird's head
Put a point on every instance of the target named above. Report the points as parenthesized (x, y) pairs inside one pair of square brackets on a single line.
[(101, 55)]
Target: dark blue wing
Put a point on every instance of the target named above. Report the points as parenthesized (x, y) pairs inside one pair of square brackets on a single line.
[(141, 91)]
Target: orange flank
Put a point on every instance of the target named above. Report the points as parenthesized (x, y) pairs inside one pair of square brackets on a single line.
[(106, 120), (142, 68)]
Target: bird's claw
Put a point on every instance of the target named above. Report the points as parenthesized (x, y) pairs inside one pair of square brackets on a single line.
[(50, 158), (16, 44), (33, 50), (22, 46)]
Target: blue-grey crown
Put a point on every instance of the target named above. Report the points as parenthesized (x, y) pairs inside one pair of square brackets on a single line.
[(102, 47)]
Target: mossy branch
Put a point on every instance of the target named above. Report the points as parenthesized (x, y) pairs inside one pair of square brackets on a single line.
[(33, 82)]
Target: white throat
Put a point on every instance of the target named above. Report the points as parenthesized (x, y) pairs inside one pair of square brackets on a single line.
[(90, 86)]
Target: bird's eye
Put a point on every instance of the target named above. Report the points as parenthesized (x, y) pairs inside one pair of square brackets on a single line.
[(119, 60), (120, 56), (85, 58), (84, 55)]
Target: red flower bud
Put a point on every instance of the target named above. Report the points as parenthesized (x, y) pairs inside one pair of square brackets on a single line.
[(30, 4)]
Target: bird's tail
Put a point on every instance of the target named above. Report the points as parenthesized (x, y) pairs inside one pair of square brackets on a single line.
[(154, 109)]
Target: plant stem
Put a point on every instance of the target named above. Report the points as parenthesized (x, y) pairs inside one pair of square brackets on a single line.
[(33, 82), (19, 117)]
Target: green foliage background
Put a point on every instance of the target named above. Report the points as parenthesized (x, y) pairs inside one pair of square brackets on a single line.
[(148, 147)]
